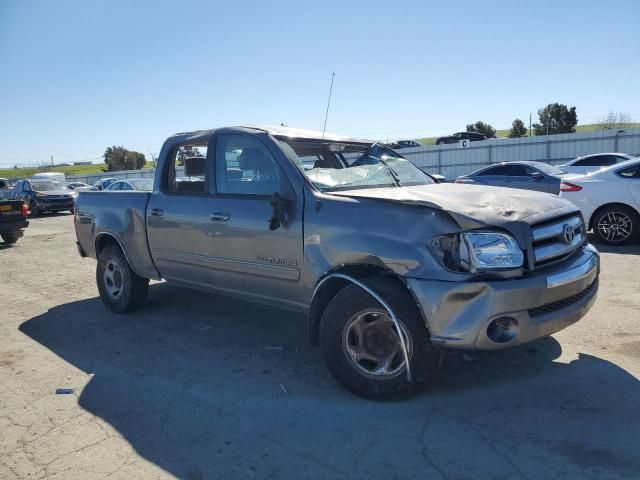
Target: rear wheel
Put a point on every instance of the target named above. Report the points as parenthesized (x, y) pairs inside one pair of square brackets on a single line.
[(11, 237), (121, 290), (616, 225), (362, 347)]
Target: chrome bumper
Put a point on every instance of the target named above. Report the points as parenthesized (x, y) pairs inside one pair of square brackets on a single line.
[(461, 315)]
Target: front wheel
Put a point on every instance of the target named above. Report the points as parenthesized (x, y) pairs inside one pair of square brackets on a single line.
[(616, 225), (362, 347), (121, 290)]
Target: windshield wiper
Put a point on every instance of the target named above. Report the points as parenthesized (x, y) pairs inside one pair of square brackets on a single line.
[(392, 172)]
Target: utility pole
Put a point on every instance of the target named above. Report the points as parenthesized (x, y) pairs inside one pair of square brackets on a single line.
[(51, 160), (333, 74), (529, 123)]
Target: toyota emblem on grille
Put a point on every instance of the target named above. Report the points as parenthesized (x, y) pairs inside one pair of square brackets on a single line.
[(568, 233)]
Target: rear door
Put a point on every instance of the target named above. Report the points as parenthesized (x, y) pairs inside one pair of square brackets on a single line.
[(178, 226), (633, 175)]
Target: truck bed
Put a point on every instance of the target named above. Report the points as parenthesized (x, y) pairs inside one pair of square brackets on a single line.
[(125, 215)]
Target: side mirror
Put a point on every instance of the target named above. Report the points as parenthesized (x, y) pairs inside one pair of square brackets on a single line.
[(537, 176)]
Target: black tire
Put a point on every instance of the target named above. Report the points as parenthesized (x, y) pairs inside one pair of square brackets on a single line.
[(616, 225), (11, 237), (129, 291), (348, 304), (34, 211)]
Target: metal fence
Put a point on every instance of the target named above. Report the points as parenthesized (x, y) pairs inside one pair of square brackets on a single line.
[(91, 179), (455, 159)]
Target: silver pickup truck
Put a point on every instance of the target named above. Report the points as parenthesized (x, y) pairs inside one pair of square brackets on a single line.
[(390, 266)]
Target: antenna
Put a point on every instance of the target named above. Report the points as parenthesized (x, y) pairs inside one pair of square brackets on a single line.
[(333, 74)]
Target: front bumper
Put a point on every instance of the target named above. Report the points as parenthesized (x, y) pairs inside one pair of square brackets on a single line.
[(55, 205), (461, 315)]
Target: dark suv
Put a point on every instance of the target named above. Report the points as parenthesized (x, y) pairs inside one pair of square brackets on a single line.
[(456, 137)]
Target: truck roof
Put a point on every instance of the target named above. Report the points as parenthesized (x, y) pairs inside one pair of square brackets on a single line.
[(280, 131)]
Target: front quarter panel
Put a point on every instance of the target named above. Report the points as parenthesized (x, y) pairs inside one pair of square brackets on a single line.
[(358, 231)]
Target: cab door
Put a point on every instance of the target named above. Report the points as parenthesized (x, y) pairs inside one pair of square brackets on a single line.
[(248, 256)]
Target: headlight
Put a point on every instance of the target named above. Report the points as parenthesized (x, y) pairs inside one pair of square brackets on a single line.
[(478, 251)]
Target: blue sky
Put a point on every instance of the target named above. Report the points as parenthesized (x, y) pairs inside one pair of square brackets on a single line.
[(78, 76)]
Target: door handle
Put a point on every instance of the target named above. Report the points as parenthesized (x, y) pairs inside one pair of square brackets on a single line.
[(219, 217), (157, 212)]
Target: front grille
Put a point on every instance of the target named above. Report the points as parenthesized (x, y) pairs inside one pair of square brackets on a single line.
[(565, 302), (550, 242)]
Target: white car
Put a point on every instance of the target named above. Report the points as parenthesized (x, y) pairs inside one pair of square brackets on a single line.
[(609, 200), (594, 162)]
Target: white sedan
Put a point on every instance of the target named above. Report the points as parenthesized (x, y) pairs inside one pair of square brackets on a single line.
[(594, 162), (609, 200)]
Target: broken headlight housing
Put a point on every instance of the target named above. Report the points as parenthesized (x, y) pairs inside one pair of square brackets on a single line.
[(474, 252)]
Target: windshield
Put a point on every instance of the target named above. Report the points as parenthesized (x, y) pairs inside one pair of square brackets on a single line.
[(340, 166), (549, 169), (47, 185)]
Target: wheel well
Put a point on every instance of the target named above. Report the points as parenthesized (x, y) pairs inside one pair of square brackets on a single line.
[(607, 205), (105, 240), (332, 286)]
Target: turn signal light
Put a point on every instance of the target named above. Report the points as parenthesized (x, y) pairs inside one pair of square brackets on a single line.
[(25, 209), (569, 187)]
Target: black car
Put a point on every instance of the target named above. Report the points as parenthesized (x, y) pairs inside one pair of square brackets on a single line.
[(13, 220), (456, 137), (403, 144), (44, 195)]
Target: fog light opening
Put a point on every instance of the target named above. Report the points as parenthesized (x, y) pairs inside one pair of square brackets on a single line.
[(503, 329)]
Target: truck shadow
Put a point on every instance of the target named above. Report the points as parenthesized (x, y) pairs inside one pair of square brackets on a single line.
[(203, 385)]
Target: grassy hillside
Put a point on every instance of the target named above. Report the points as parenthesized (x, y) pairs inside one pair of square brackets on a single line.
[(67, 170), (505, 133)]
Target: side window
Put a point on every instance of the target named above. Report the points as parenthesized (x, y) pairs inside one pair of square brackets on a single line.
[(630, 172), (613, 159), (595, 161), (187, 172), (245, 166), (26, 186), (506, 170)]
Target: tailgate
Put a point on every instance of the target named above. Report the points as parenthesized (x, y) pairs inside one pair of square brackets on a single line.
[(11, 211)]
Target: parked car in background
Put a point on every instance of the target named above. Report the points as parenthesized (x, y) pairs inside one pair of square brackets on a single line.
[(526, 175), (74, 185), (388, 266), (456, 137), (13, 220), (141, 184), (594, 162), (104, 183), (609, 200), (44, 195), (400, 144)]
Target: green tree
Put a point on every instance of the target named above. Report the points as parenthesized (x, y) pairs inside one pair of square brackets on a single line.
[(556, 118), (481, 127), (517, 129), (119, 158)]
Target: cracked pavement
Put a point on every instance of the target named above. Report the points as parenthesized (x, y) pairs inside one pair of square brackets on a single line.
[(189, 387)]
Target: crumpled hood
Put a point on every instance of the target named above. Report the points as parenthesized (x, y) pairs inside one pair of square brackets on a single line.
[(473, 206)]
